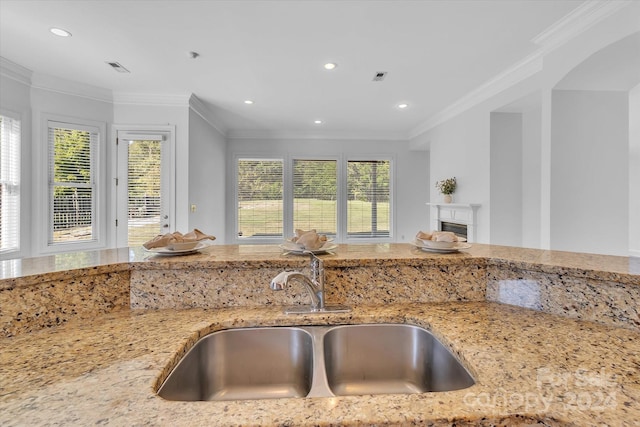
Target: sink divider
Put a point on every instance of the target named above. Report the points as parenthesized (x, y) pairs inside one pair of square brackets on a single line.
[(319, 382)]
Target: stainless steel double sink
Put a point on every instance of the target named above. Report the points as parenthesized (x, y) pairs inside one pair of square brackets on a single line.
[(314, 361)]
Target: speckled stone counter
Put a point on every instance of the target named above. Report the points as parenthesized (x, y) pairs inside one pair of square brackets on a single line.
[(531, 368), (49, 291), (395, 273), (103, 362)]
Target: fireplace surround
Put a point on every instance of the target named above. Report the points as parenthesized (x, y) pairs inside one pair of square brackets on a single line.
[(460, 218)]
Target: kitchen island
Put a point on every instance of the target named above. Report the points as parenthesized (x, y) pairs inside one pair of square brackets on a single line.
[(525, 323)]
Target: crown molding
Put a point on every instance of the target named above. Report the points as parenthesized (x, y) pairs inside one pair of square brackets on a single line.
[(522, 70), (573, 24), (190, 101), (268, 134), (15, 72), (160, 100), (197, 106), (68, 87), (577, 21)]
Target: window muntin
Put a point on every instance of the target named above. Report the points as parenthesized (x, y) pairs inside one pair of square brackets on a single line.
[(346, 199), (315, 201), (260, 198), (369, 198), (72, 160), (9, 184)]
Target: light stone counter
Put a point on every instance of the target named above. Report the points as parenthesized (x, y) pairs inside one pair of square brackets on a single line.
[(89, 336), (23, 272), (531, 368), (49, 291)]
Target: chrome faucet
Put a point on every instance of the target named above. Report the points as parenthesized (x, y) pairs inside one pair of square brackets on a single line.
[(314, 286)]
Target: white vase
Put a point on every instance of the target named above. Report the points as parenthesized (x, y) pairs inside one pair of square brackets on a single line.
[(448, 198)]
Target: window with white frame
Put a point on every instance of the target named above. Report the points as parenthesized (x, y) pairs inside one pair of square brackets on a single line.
[(315, 195), (9, 184), (72, 193), (369, 198), (275, 198), (260, 198)]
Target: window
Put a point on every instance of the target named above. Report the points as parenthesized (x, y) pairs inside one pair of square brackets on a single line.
[(9, 184), (315, 202), (348, 200), (260, 201), (368, 194), (72, 160)]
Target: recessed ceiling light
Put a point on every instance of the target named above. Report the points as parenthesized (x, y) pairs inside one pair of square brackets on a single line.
[(60, 32), (248, 102), (318, 122), (403, 106), (330, 65)]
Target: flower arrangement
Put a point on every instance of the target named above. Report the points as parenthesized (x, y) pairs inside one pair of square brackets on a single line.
[(447, 186)]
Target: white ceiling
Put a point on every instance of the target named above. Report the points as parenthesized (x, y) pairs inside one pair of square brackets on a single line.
[(273, 52)]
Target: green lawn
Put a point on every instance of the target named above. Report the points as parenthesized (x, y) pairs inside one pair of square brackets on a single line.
[(265, 217), (139, 230)]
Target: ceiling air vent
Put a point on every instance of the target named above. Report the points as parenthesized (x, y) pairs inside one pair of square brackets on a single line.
[(118, 67), (380, 75)]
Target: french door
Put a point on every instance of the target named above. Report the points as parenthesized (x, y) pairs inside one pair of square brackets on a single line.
[(143, 185)]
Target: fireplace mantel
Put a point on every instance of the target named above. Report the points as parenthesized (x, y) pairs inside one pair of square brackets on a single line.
[(457, 213)]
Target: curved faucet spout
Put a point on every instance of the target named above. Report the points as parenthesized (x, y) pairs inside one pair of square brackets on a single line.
[(314, 285), (315, 292)]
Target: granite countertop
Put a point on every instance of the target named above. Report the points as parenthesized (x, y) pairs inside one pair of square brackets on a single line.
[(24, 272), (529, 367)]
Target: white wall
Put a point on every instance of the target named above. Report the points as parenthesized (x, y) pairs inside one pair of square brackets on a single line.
[(412, 213), (411, 172), (207, 169), (590, 172), (531, 177), (460, 142), (506, 179), (634, 172), (461, 148)]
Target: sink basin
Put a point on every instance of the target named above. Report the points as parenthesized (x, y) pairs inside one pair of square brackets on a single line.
[(255, 363), (375, 359), (314, 361)]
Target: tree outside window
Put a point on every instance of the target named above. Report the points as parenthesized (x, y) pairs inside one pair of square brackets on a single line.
[(72, 184)]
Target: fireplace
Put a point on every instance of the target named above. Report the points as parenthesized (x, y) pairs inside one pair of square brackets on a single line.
[(459, 230), (456, 217)]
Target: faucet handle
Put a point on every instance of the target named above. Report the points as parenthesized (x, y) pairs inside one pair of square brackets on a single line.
[(317, 265)]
